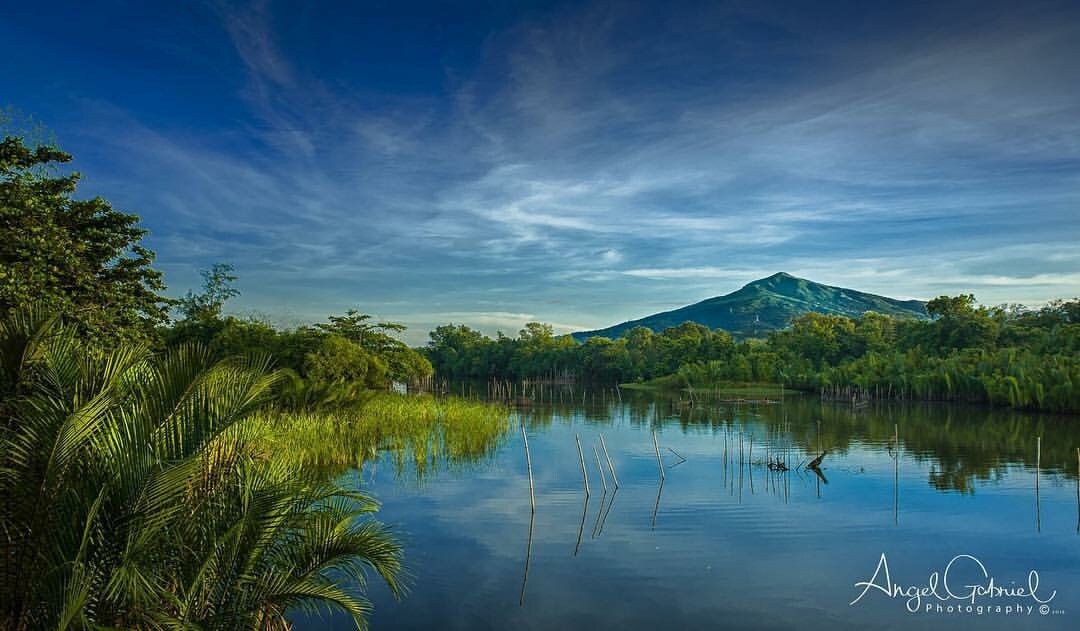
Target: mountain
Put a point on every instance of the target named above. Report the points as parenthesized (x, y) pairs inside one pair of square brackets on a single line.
[(767, 305)]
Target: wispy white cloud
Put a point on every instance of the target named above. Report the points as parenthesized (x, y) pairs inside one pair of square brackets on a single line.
[(670, 273), (610, 256), (590, 163)]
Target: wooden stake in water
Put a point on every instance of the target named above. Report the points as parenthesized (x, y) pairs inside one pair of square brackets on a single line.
[(581, 455), (659, 462), (600, 467), (581, 528), (656, 506), (528, 559), (896, 474), (528, 461), (609, 464), (607, 511), (1038, 465)]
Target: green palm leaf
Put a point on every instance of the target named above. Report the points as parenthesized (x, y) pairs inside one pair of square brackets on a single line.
[(136, 496)]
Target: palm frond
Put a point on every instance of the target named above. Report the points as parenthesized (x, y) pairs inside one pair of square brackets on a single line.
[(185, 523)]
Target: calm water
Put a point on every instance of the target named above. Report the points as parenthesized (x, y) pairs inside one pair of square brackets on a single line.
[(720, 545)]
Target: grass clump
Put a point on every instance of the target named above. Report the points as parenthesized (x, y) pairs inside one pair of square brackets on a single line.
[(419, 431)]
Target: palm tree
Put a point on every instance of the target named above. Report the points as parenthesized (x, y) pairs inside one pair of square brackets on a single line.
[(136, 495)]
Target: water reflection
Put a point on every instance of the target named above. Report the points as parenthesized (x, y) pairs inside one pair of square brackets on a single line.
[(581, 528), (656, 506), (966, 445), (731, 541), (528, 559), (605, 512)]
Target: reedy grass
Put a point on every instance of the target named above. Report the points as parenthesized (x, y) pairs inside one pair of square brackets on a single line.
[(421, 432)]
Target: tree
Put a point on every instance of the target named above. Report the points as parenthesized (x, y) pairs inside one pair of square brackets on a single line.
[(355, 326), (875, 332), (401, 362), (457, 351), (951, 306), (960, 324), (79, 257), (341, 360), (217, 289), (824, 339)]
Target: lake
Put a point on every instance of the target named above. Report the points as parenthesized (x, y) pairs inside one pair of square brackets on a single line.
[(726, 543)]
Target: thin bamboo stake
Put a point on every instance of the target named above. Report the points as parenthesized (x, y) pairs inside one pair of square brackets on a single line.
[(725, 461), (581, 529), (599, 514), (600, 467), (611, 466), (741, 467), (528, 560), (750, 473), (1038, 465), (659, 462), (677, 455), (603, 519), (896, 474), (656, 506), (528, 461), (581, 455)]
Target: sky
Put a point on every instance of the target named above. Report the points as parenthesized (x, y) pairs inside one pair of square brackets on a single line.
[(578, 163)]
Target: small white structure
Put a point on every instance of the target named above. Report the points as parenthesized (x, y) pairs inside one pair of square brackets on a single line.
[(399, 387)]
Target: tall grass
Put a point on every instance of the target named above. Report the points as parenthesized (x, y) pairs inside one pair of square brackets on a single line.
[(420, 433)]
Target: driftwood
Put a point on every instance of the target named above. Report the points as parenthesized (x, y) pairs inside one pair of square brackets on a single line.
[(777, 465), (816, 462)]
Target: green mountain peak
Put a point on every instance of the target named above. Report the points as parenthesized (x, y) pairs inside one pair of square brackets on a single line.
[(768, 304)]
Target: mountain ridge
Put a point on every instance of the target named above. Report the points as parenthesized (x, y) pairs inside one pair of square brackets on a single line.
[(765, 305)]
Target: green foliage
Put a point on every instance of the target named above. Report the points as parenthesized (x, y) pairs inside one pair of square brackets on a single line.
[(459, 352), (79, 257), (823, 339), (297, 394), (342, 360), (217, 289), (137, 494), (1018, 358), (961, 324), (401, 363), (345, 349), (354, 326), (421, 432)]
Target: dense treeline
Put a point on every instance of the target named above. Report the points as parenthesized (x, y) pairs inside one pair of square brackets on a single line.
[(344, 353), (459, 352), (1003, 356)]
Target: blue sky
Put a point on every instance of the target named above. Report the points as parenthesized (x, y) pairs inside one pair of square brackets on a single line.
[(575, 163)]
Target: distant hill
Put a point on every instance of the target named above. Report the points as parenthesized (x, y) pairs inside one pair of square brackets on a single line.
[(767, 305)]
